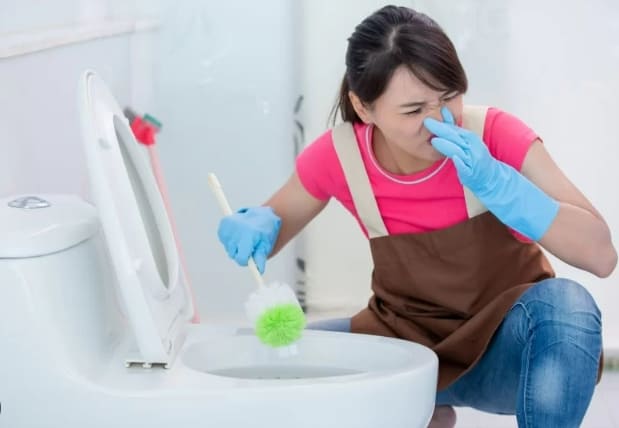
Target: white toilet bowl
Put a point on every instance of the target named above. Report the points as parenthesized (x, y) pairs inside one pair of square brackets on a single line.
[(95, 322)]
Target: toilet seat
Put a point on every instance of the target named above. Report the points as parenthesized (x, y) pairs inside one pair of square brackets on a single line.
[(135, 226)]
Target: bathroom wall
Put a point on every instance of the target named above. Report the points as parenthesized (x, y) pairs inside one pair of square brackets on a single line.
[(226, 90), (43, 51), (554, 64)]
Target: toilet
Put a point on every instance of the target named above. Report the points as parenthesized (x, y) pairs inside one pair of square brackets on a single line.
[(95, 321)]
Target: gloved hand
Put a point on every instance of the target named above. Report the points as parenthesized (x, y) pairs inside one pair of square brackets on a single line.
[(250, 232), (509, 195)]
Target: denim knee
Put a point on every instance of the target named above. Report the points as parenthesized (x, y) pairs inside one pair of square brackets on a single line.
[(336, 324), (561, 295), (563, 305), (561, 325)]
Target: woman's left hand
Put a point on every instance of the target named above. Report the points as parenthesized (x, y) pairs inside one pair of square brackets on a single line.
[(509, 195), (475, 165)]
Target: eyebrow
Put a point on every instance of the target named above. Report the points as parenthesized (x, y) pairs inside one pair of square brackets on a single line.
[(421, 103), (413, 104)]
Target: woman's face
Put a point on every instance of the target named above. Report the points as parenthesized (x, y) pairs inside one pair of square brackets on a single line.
[(399, 112)]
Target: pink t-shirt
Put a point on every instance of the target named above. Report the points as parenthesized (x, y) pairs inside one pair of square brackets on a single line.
[(425, 201)]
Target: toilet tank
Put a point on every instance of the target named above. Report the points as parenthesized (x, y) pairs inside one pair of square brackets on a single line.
[(57, 292)]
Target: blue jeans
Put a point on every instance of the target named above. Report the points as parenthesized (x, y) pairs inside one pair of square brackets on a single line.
[(541, 364)]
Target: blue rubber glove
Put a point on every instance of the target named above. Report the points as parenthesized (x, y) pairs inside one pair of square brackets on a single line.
[(509, 195), (250, 232)]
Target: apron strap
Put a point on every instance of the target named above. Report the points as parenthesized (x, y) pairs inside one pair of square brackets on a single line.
[(347, 149), (473, 119)]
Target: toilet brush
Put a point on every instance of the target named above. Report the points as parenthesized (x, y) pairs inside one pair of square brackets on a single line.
[(273, 309)]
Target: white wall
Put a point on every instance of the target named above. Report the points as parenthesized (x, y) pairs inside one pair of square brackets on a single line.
[(554, 64), (226, 87), (40, 146)]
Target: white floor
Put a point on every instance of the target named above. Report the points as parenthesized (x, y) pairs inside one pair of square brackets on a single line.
[(603, 411)]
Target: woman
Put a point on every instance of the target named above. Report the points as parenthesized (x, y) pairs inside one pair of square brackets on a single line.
[(457, 202)]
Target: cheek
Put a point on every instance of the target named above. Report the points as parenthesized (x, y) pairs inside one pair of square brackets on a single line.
[(402, 128), (407, 129), (413, 126)]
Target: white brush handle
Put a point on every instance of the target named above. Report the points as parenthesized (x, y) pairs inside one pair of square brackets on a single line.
[(218, 191)]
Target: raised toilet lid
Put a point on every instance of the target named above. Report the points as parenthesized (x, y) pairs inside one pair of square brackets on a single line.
[(135, 226)]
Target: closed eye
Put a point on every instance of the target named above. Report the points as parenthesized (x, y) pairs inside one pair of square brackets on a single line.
[(446, 98), (412, 112)]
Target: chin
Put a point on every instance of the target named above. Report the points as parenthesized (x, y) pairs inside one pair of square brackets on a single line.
[(435, 156)]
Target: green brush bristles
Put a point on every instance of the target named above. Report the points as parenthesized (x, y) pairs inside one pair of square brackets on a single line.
[(280, 325)]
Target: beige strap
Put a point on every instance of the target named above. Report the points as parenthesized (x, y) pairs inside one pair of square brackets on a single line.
[(347, 149), (473, 119)]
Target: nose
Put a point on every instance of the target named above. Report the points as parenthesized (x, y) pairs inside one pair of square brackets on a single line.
[(434, 110)]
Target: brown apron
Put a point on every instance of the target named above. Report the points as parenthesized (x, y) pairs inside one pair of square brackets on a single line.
[(447, 289)]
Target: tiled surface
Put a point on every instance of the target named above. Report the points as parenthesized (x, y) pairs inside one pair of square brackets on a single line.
[(603, 411)]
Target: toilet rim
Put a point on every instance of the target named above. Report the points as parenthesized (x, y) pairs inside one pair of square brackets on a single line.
[(411, 359), (316, 349)]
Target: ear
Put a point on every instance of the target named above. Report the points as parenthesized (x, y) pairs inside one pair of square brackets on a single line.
[(360, 108)]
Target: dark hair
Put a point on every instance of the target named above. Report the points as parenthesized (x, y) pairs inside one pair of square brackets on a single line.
[(391, 37)]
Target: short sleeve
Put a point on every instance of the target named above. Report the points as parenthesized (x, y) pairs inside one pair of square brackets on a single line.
[(508, 138), (315, 166)]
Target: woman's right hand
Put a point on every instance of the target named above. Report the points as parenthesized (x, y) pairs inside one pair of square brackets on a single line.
[(250, 232)]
